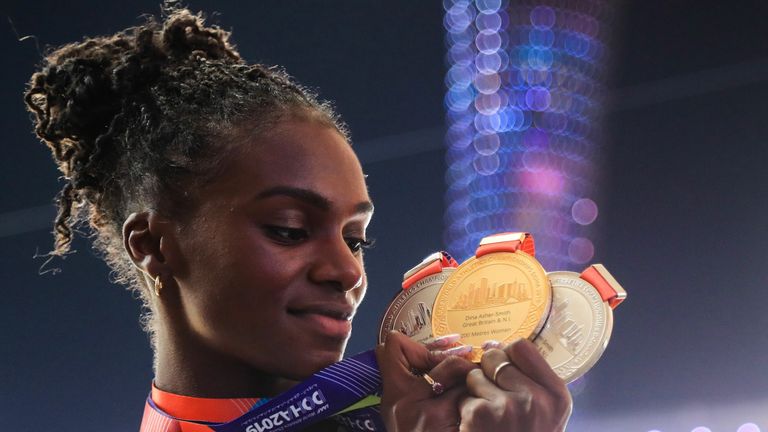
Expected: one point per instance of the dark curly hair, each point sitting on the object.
(136, 120)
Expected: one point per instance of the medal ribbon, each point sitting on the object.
(506, 242)
(346, 389)
(432, 264)
(605, 284)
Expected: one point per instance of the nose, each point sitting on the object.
(336, 265)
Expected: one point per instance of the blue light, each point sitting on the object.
(488, 41)
(461, 37)
(491, 21)
(487, 83)
(541, 38)
(520, 108)
(488, 63)
(543, 17)
(486, 144)
(537, 98)
(488, 6)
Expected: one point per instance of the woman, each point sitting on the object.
(229, 198)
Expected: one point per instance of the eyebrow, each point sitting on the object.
(310, 197)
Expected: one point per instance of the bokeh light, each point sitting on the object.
(584, 211)
(581, 250)
(701, 429)
(522, 103)
(748, 427)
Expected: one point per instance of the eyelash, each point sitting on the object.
(286, 235)
(359, 244)
(290, 236)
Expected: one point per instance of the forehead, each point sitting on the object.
(301, 154)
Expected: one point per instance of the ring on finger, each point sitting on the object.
(498, 369)
(437, 388)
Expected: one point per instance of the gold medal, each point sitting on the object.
(579, 326)
(499, 296)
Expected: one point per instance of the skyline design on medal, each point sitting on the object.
(563, 322)
(418, 318)
(484, 296)
(499, 296)
(410, 312)
(578, 329)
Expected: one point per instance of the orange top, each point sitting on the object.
(606, 285)
(506, 242)
(434, 263)
(192, 409)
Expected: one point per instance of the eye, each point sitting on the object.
(358, 244)
(286, 235)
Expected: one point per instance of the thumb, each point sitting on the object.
(399, 358)
(402, 353)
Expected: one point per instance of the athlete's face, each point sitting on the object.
(273, 264)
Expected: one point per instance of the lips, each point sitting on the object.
(328, 320)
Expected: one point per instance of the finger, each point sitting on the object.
(442, 342)
(444, 409)
(480, 414)
(526, 357)
(480, 386)
(405, 354)
(510, 383)
(501, 371)
(490, 344)
(452, 372)
(464, 351)
(394, 360)
(399, 357)
(452, 397)
(467, 408)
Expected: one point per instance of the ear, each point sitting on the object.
(144, 237)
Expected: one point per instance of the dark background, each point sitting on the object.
(682, 216)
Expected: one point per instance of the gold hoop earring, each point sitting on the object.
(158, 285)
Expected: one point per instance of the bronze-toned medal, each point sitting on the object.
(411, 311)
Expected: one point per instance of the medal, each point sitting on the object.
(581, 320)
(410, 312)
(502, 294)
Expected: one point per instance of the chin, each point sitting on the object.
(312, 362)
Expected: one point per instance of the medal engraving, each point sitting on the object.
(500, 296)
(411, 311)
(578, 328)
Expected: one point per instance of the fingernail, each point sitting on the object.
(490, 344)
(459, 350)
(446, 340)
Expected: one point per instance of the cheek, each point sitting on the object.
(235, 288)
(248, 287)
(241, 309)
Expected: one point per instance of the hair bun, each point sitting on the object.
(186, 36)
(83, 87)
(74, 101)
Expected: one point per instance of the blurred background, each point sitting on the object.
(629, 133)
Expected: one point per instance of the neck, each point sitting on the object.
(185, 365)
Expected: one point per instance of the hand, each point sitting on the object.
(527, 395)
(408, 402)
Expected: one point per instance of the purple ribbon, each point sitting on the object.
(321, 396)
